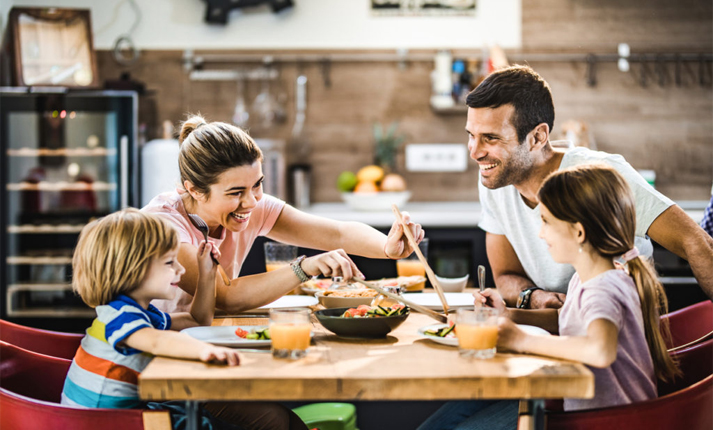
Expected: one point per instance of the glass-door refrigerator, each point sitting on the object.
(66, 158)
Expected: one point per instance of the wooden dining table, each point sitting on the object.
(402, 366)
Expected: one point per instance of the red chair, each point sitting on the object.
(696, 362)
(691, 324)
(31, 387)
(682, 404)
(54, 343)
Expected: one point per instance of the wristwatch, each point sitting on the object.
(296, 266)
(523, 300)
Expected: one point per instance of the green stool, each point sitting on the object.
(328, 416)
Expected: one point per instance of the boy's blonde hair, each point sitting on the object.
(114, 253)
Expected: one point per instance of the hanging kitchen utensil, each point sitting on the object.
(240, 113)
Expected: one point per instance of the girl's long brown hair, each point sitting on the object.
(599, 198)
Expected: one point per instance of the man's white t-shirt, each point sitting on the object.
(504, 212)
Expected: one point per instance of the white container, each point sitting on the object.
(452, 285)
(159, 166)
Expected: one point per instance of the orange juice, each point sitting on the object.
(269, 267)
(411, 268)
(290, 336)
(477, 336)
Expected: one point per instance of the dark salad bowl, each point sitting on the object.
(369, 328)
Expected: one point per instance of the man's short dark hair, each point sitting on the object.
(521, 87)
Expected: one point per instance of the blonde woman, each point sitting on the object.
(221, 178)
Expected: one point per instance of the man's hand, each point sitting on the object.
(541, 299)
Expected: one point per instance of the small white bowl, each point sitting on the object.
(377, 201)
(453, 285)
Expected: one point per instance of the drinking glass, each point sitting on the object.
(278, 255)
(477, 332)
(290, 332)
(411, 266)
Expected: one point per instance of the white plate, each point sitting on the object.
(286, 302)
(225, 335)
(431, 300)
(453, 341)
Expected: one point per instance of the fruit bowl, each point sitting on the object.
(377, 201)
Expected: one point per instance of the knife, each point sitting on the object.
(424, 310)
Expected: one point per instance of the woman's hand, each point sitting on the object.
(397, 244)
(205, 262)
(218, 354)
(330, 264)
(509, 335)
(491, 298)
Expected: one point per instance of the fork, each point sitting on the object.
(203, 227)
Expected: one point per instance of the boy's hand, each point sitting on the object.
(490, 297)
(205, 262)
(219, 354)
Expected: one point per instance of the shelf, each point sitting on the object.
(14, 288)
(61, 186)
(62, 152)
(45, 228)
(52, 313)
(56, 261)
(450, 110)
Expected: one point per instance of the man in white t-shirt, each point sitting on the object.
(510, 116)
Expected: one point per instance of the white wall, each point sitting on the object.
(311, 24)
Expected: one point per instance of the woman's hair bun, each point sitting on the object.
(189, 125)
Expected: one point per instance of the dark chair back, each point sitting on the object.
(690, 324)
(30, 374)
(30, 391)
(696, 362)
(54, 343)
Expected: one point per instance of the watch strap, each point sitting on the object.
(525, 296)
(296, 266)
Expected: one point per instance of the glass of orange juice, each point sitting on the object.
(411, 266)
(278, 255)
(477, 332)
(290, 331)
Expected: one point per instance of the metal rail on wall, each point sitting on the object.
(652, 67)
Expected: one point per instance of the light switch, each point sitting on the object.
(436, 157)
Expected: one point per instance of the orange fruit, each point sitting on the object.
(366, 187)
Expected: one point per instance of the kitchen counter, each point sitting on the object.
(443, 214)
(428, 214)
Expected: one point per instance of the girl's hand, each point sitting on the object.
(330, 264)
(205, 262)
(509, 335)
(397, 244)
(491, 298)
(218, 354)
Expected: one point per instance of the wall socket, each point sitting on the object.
(436, 157)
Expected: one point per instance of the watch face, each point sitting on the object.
(54, 48)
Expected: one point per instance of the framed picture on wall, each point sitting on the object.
(423, 7)
(52, 47)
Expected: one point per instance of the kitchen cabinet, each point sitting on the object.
(66, 158)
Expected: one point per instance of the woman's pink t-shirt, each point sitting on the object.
(234, 247)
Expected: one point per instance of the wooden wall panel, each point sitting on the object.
(667, 129)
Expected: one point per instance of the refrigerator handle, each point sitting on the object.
(124, 170)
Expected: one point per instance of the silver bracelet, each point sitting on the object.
(297, 268)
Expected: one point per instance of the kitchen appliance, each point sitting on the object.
(273, 166)
(66, 157)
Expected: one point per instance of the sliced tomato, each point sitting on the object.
(397, 306)
(364, 307)
(241, 333)
(391, 283)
